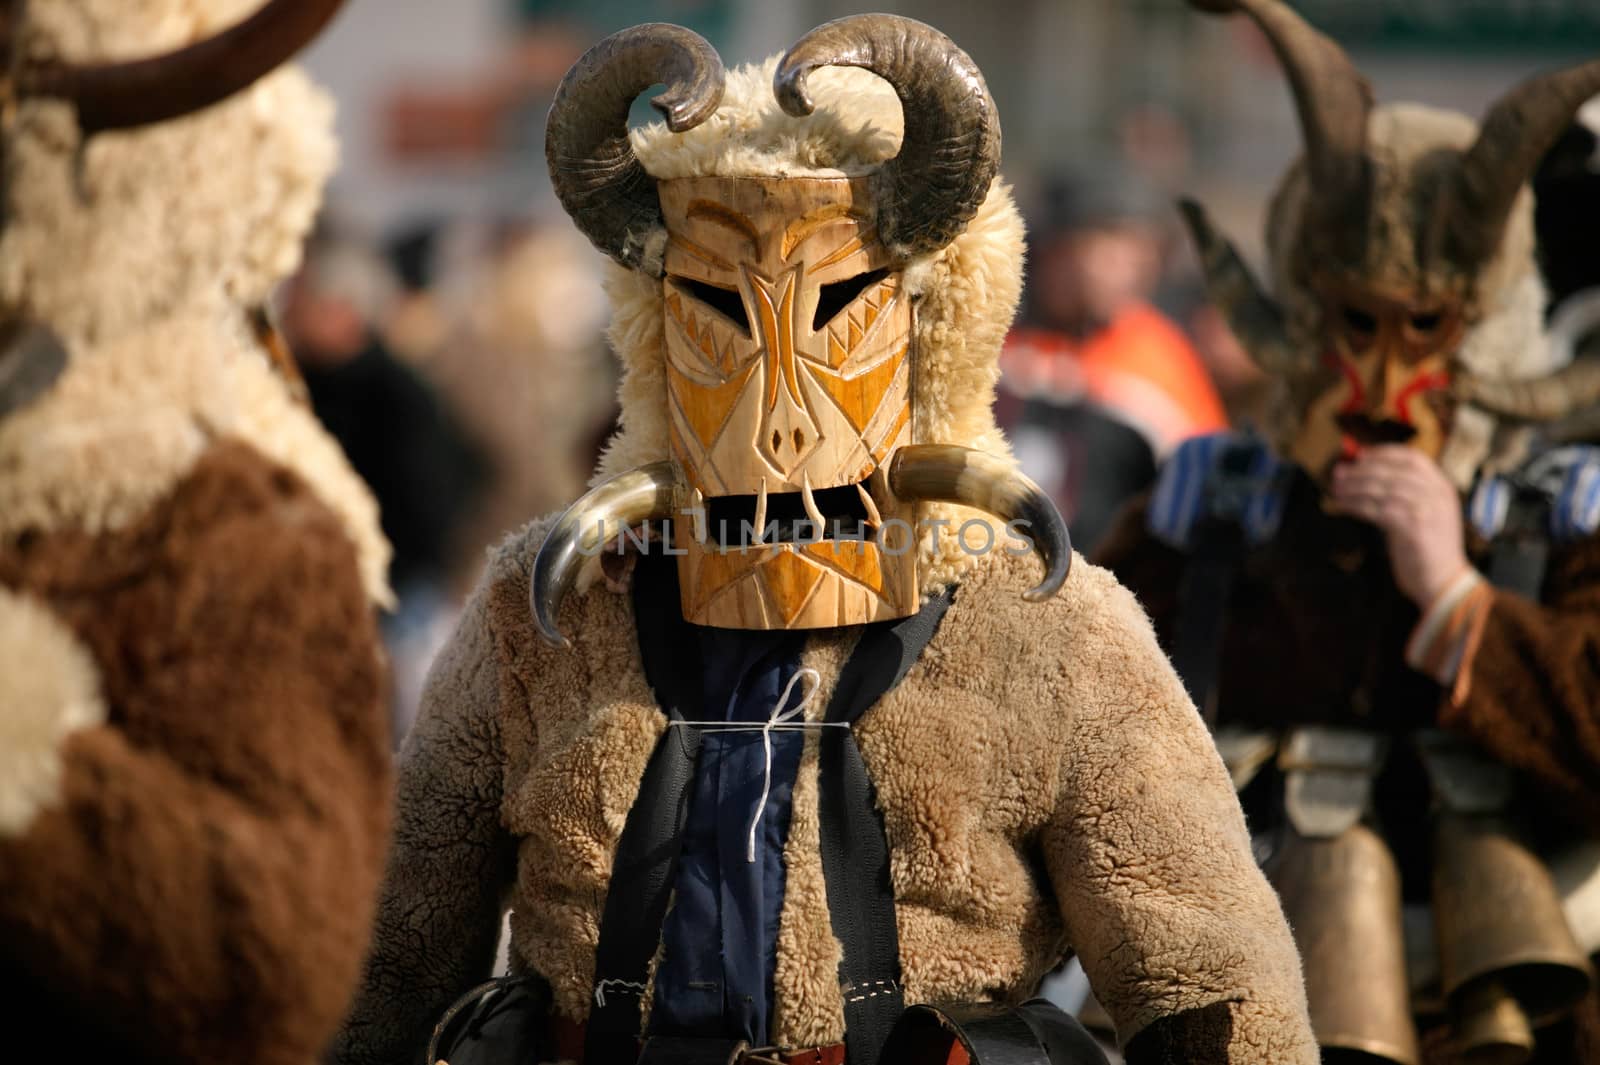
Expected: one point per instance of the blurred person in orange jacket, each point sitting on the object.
(1097, 384)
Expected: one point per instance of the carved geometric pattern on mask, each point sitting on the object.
(789, 585)
(823, 401)
(789, 369)
(790, 582)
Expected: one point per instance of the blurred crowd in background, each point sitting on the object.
(449, 320)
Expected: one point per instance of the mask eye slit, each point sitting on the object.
(724, 301)
(1360, 322)
(838, 295)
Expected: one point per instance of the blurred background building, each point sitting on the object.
(493, 302)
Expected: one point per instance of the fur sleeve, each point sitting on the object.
(1529, 690)
(1179, 932)
(451, 862)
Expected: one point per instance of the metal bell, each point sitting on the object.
(1499, 917)
(1490, 1027)
(1342, 898)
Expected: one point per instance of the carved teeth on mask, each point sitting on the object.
(874, 519)
(948, 474)
(761, 510)
(697, 505)
(810, 501)
(649, 493)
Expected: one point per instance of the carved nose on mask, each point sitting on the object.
(788, 433)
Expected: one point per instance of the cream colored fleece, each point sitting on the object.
(142, 250)
(49, 689)
(1045, 783)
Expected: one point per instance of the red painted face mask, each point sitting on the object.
(1388, 358)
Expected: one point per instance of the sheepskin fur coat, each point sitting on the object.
(1045, 783)
(194, 768)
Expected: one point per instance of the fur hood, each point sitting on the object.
(141, 251)
(965, 294)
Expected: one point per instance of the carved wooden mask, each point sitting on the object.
(788, 350)
(1387, 364)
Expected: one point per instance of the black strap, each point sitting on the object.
(1203, 599)
(636, 901)
(1035, 1033)
(855, 850)
(496, 1023)
(1520, 554)
(1217, 551)
(645, 866)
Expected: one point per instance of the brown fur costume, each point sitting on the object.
(198, 891)
(193, 770)
(1316, 632)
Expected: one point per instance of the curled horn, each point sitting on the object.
(1470, 218)
(950, 152)
(110, 96)
(948, 474)
(1543, 399)
(1332, 99)
(1255, 318)
(626, 500)
(596, 175)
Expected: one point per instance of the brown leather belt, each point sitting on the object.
(568, 1039)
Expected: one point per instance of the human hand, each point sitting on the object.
(1405, 493)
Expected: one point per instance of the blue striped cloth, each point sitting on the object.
(1569, 477)
(1196, 483)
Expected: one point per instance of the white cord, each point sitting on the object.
(781, 721)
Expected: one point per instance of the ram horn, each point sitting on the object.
(950, 151)
(1334, 103)
(947, 474)
(1470, 218)
(596, 175)
(1540, 399)
(109, 96)
(645, 494)
(1255, 317)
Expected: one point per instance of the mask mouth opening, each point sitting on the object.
(1369, 432)
(731, 520)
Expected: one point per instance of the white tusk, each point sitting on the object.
(810, 502)
(761, 511)
(874, 519)
(697, 510)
